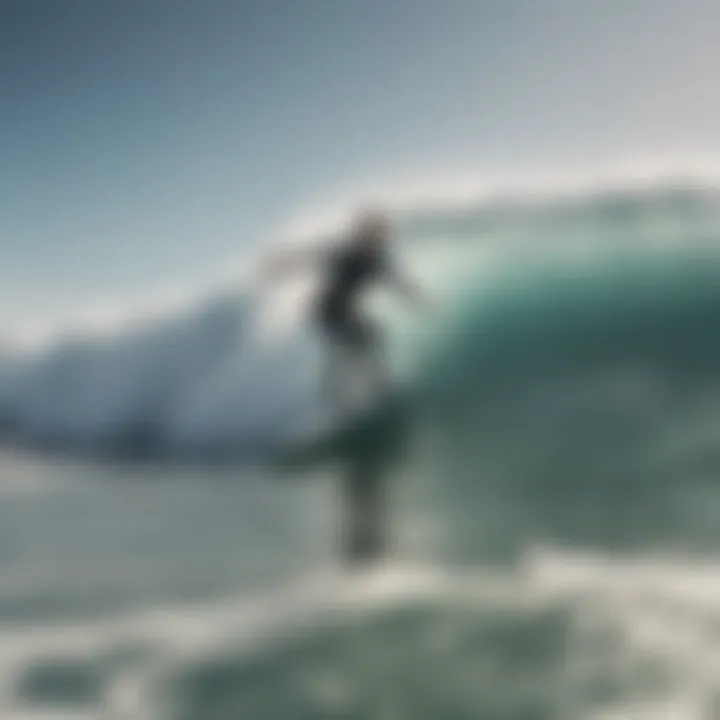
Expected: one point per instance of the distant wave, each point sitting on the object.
(525, 283)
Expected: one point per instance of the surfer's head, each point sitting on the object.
(371, 228)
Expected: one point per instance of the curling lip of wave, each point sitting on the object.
(197, 384)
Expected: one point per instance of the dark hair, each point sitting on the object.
(371, 222)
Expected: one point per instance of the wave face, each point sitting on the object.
(592, 396)
(546, 301)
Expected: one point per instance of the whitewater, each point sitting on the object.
(556, 515)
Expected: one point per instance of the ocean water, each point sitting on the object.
(554, 506)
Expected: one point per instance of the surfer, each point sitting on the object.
(349, 267)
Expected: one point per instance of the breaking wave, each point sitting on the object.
(605, 287)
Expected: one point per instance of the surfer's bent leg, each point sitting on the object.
(333, 386)
(364, 522)
(334, 329)
(353, 343)
(370, 348)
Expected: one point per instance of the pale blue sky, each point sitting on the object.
(149, 143)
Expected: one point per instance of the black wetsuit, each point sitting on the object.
(350, 270)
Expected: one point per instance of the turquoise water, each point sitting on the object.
(555, 513)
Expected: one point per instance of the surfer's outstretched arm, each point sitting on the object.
(287, 261)
(410, 290)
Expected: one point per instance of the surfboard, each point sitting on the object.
(373, 433)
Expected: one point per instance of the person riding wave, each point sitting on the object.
(349, 268)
